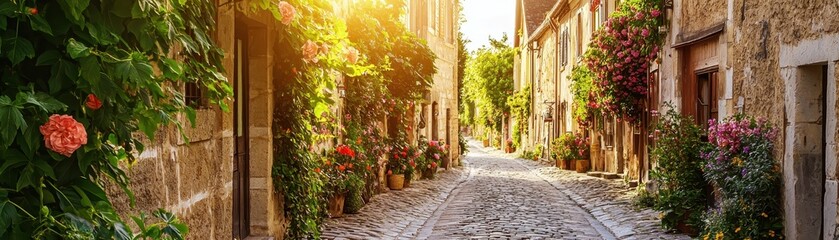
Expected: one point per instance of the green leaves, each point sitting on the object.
(39, 23)
(11, 119)
(77, 49)
(17, 49)
(8, 215)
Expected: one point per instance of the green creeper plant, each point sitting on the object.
(79, 78)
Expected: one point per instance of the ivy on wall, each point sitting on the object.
(78, 79)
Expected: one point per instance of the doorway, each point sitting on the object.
(241, 135)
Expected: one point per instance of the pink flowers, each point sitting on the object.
(351, 54)
(93, 102)
(437, 156)
(63, 134)
(310, 52)
(655, 13)
(287, 11)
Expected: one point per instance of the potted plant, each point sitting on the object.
(509, 146)
(401, 165)
(337, 168)
(434, 154)
(572, 152)
(582, 147)
(485, 139)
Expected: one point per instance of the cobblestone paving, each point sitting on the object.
(396, 214)
(498, 196)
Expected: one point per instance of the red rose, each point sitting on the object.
(63, 134)
(342, 167)
(389, 172)
(93, 102)
(33, 11)
(317, 170)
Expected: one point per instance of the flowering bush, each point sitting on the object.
(337, 168)
(570, 147)
(435, 152)
(620, 55)
(740, 164)
(402, 159)
(583, 108)
(681, 187)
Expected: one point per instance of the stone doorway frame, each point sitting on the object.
(796, 63)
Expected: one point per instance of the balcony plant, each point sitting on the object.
(740, 164)
(509, 146)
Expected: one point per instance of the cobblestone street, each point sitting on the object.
(498, 196)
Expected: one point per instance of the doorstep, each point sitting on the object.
(610, 176)
(594, 174)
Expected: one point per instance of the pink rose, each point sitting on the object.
(655, 13)
(93, 102)
(324, 49)
(288, 12)
(310, 52)
(351, 55)
(63, 134)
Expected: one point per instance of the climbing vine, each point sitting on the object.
(520, 107)
(78, 79)
(582, 86)
(620, 56)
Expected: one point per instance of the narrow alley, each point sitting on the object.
(495, 195)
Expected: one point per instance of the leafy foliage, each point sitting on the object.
(489, 80)
(582, 89)
(678, 174)
(133, 55)
(520, 107)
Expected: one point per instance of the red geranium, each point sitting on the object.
(346, 151)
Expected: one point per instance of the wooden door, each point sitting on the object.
(240, 133)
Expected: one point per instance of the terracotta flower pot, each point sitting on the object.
(408, 180)
(582, 166)
(486, 143)
(429, 173)
(336, 205)
(396, 181)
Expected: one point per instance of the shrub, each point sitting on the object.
(681, 187)
(355, 190)
(463, 145)
(740, 164)
(537, 151)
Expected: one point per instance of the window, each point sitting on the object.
(579, 35)
(564, 47)
(193, 95)
(608, 132)
(706, 97)
(435, 7)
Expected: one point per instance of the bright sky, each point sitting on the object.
(485, 18)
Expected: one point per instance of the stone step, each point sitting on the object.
(610, 176)
(594, 174)
(633, 183)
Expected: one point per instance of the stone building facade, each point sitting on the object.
(436, 21)
(776, 60)
(220, 182)
(549, 52)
